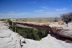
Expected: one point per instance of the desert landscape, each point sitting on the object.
(21, 34)
(35, 23)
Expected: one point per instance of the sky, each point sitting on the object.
(34, 8)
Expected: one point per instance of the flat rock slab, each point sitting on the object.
(8, 39)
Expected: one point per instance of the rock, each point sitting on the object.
(8, 39)
(64, 31)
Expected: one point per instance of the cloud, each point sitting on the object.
(35, 13)
(61, 9)
(50, 12)
(11, 15)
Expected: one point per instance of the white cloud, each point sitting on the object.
(61, 9)
(11, 15)
(45, 7)
(35, 13)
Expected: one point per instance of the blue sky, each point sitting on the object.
(34, 8)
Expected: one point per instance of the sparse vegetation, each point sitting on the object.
(31, 33)
(38, 20)
(10, 22)
(36, 33)
(67, 17)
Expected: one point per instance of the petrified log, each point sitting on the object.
(64, 33)
(44, 27)
(58, 32)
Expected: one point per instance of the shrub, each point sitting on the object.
(31, 33)
(67, 17)
(9, 21)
